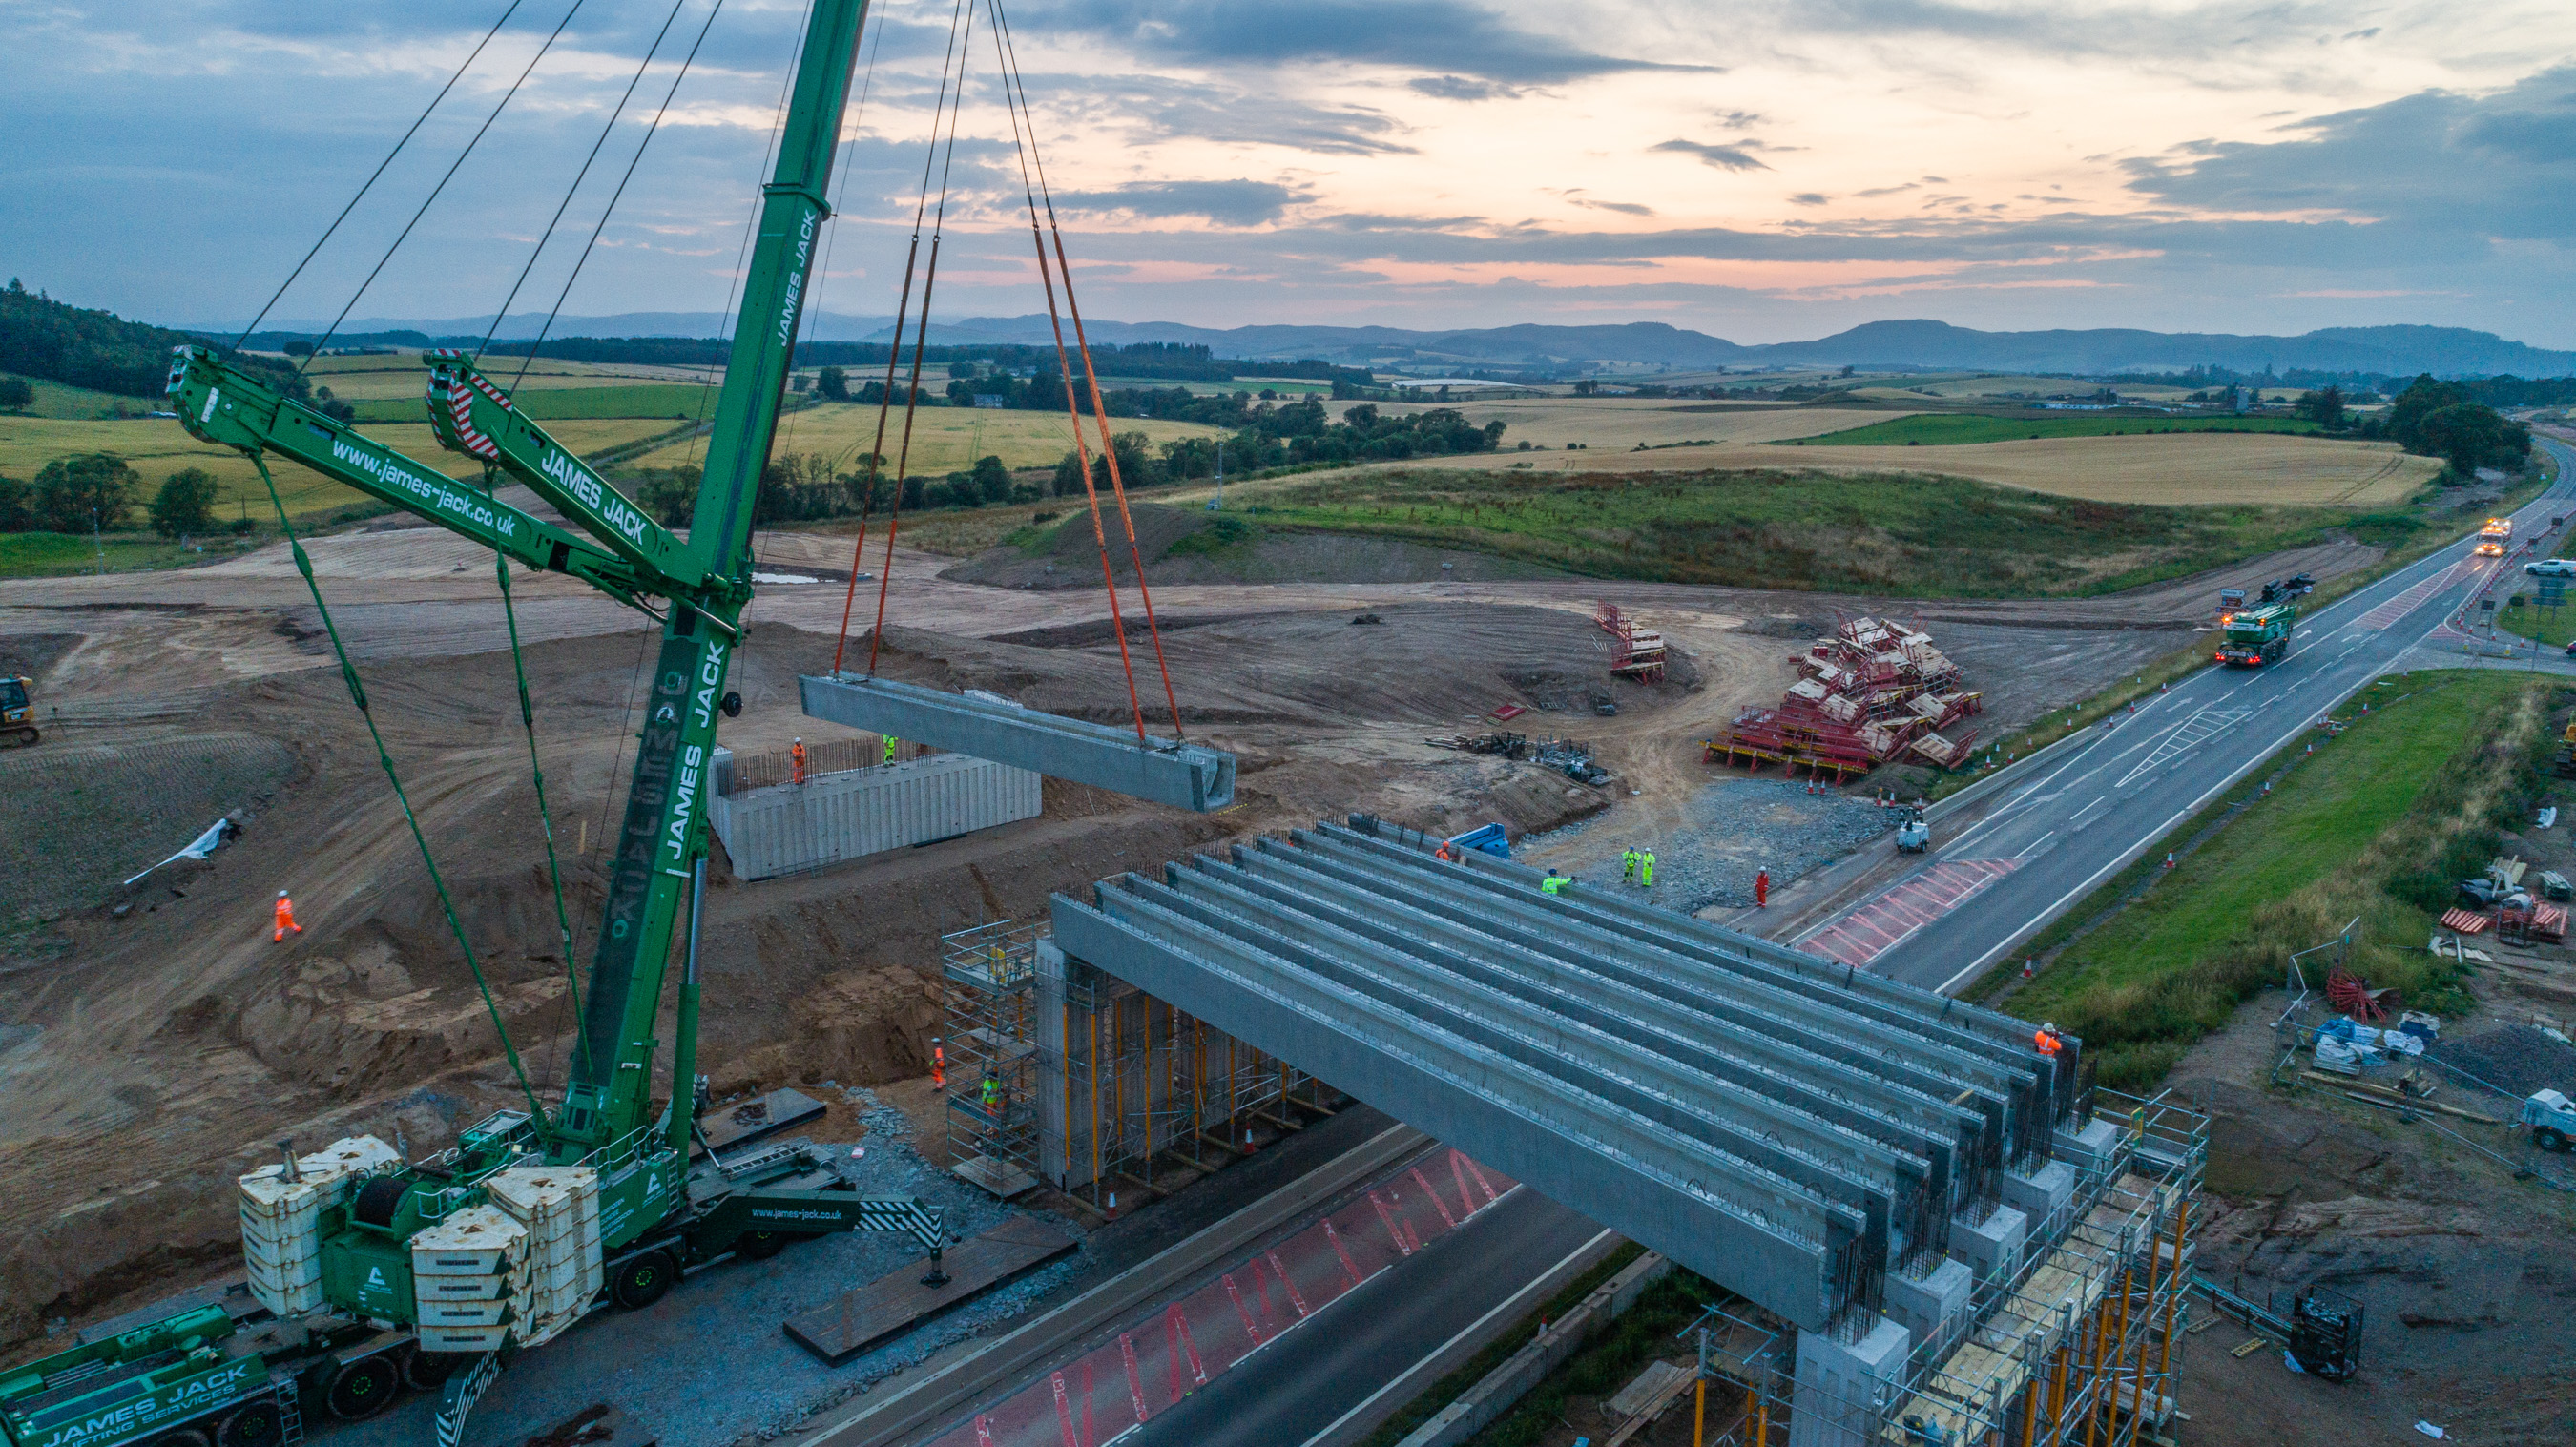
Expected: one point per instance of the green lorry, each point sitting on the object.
(2255, 636)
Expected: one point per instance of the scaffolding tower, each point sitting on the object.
(2078, 1342)
(989, 993)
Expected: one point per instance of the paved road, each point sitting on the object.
(1296, 1387)
(2087, 809)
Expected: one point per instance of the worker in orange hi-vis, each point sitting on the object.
(938, 1065)
(2045, 1038)
(796, 761)
(285, 918)
(1762, 889)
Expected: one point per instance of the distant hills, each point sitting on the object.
(1923, 345)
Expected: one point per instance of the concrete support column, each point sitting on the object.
(1930, 1305)
(1991, 1248)
(1842, 1387)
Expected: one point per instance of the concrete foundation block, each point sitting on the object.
(1928, 1306)
(2092, 1150)
(1843, 1387)
(1993, 1247)
(2040, 1194)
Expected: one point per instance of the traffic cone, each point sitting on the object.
(2169, 860)
(1113, 1205)
(2026, 969)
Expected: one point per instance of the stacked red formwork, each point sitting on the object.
(1635, 652)
(1869, 692)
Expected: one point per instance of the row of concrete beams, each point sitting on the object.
(1121, 759)
(1793, 1156)
(1907, 1035)
(2043, 1089)
(1517, 946)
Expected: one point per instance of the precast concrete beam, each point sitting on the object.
(1610, 1032)
(1758, 1233)
(1586, 983)
(2052, 1081)
(1551, 925)
(1105, 756)
(2016, 1081)
(1893, 1189)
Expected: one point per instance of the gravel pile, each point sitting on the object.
(1733, 830)
(2517, 1059)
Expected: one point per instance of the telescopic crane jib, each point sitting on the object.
(377, 1227)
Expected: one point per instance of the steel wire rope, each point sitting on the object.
(373, 176)
(894, 360)
(651, 130)
(1082, 344)
(615, 114)
(1023, 140)
(358, 696)
(435, 191)
(961, 45)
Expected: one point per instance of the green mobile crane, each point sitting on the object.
(368, 1271)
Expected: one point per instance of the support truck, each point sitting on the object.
(2495, 537)
(2258, 636)
(369, 1272)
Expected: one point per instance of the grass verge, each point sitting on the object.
(1608, 1362)
(60, 555)
(1951, 429)
(1899, 533)
(2378, 825)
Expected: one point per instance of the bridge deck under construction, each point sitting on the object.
(1786, 1126)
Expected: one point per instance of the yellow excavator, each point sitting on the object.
(17, 715)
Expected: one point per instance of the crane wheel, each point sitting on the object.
(428, 1371)
(362, 1388)
(642, 1280)
(257, 1425)
(760, 1245)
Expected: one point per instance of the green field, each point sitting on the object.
(2377, 824)
(55, 555)
(53, 399)
(1911, 535)
(671, 401)
(1950, 429)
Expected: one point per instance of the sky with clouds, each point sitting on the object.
(1759, 169)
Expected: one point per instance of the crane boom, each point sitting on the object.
(470, 413)
(227, 405)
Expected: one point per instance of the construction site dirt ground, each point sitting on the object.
(150, 1058)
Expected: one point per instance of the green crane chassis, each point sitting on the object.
(449, 1259)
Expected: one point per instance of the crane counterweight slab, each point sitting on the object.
(1105, 756)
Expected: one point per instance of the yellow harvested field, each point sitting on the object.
(359, 379)
(158, 447)
(2180, 468)
(1605, 425)
(944, 439)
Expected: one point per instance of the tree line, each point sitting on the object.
(99, 491)
(2432, 418)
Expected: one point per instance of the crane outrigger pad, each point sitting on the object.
(1105, 756)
